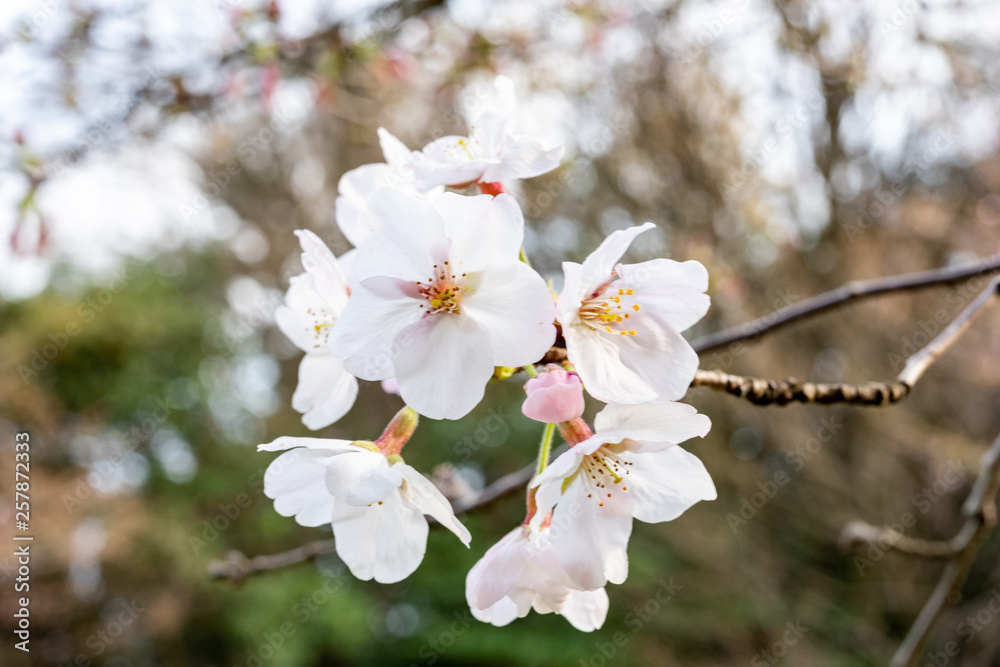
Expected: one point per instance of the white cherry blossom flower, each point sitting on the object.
(375, 502)
(622, 322)
(490, 153)
(354, 218)
(313, 303)
(520, 573)
(442, 299)
(631, 467)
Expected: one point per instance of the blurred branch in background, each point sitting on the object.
(760, 391)
(981, 517)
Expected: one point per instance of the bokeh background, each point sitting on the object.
(156, 155)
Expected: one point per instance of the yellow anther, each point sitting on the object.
(608, 328)
(627, 316)
(621, 291)
(632, 332)
(617, 299)
(635, 307)
(618, 319)
(623, 332)
(630, 291)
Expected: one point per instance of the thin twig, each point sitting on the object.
(981, 516)
(852, 291)
(237, 567)
(762, 391)
(860, 533)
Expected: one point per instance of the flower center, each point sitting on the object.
(442, 291)
(611, 309)
(602, 471)
(323, 321)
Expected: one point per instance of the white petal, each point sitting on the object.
(411, 240)
(550, 483)
(451, 161)
(485, 231)
(319, 262)
(590, 534)
(420, 493)
(346, 262)
(500, 614)
(654, 422)
(325, 392)
(384, 542)
(673, 289)
(572, 295)
(598, 266)
(395, 152)
(666, 483)
(491, 579)
(524, 157)
(586, 610)
(298, 326)
(596, 358)
(516, 315)
(362, 477)
(492, 125)
(354, 218)
(441, 369)
(664, 360)
(295, 481)
(367, 331)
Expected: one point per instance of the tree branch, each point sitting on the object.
(980, 511)
(761, 391)
(852, 291)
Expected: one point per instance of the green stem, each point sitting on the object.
(544, 447)
(531, 370)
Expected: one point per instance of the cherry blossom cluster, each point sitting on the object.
(436, 299)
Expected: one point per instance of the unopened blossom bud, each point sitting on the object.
(553, 396)
(398, 432)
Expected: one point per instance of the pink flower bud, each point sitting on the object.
(553, 396)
